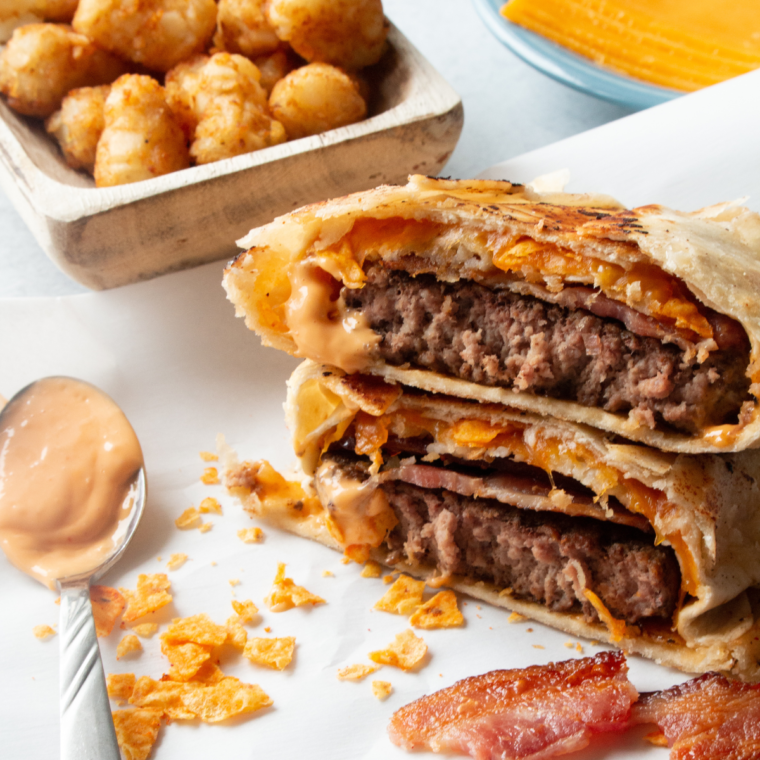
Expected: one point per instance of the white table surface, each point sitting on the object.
(509, 109)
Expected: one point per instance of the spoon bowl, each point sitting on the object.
(62, 435)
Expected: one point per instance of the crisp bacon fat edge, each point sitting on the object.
(547, 710)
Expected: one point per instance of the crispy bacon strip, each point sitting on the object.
(705, 718)
(535, 712)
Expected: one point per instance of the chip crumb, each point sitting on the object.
(58, 601)
(208, 456)
(356, 672)
(529, 630)
(286, 595)
(570, 644)
(268, 629)
(176, 561)
(128, 645)
(440, 611)
(538, 646)
(120, 685)
(406, 651)
(328, 574)
(205, 527)
(382, 689)
(199, 629)
(107, 604)
(345, 560)
(210, 476)
(234, 581)
(245, 610)
(145, 630)
(212, 563)
(251, 535)
(136, 731)
(516, 617)
(210, 504)
(388, 579)
(371, 569)
(273, 653)
(594, 643)
(579, 648)
(188, 520)
(403, 597)
(151, 594)
(43, 632)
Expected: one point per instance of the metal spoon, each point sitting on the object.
(87, 730)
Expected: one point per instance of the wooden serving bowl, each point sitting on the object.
(106, 237)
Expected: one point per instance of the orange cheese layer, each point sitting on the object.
(681, 44)
(644, 287)
(547, 453)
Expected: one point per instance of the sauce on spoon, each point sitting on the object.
(69, 461)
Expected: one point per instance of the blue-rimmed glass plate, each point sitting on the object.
(567, 67)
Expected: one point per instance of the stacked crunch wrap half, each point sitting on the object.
(542, 399)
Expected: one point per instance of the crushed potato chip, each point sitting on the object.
(234, 582)
(210, 504)
(382, 689)
(145, 630)
(128, 645)
(205, 527)
(328, 574)
(387, 579)
(246, 610)
(209, 456)
(163, 696)
(516, 617)
(43, 631)
(358, 553)
(236, 634)
(439, 612)
(210, 476)
(226, 699)
(185, 659)
(372, 569)
(251, 535)
(209, 672)
(274, 653)
(189, 519)
(198, 629)
(120, 685)
(136, 731)
(405, 652)
(107, 605)
(286, 595)
(151, 595)
(176, 561)
(356, 672)
(403, 597)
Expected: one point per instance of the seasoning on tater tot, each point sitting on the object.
(157, 34)
(346, 33)
(141, 138)
(316, 98)
(242, 27)
(222, 106)
(42, 62)
(78, 124)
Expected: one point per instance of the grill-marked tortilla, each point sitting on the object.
(662, 272)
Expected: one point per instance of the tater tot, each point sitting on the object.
(242, 27)
(316, 98)
(346, 33)
(42, 62)
(16, 13)
(78, 124)
(141, 138)
(275, 66)
(157, 34)
(221, 100)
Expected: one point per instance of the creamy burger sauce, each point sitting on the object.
(69, 461)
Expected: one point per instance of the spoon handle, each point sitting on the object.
(87, 731)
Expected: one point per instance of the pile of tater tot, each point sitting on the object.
(133, 89)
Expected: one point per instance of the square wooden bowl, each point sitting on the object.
(106, 237)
